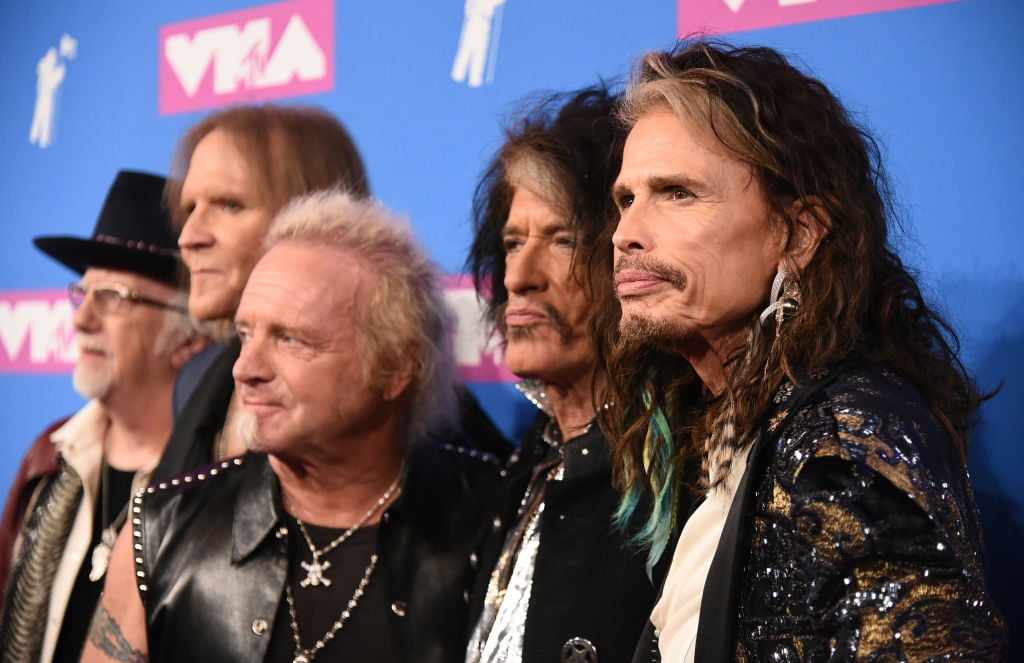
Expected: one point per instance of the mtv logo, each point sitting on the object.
(37, 334)
(479, 354)
(267, 52)
(722, 16)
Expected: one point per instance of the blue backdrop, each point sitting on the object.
(941, 86)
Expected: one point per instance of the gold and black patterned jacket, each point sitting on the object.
(855, 537)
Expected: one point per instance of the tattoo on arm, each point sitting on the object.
(106, 635)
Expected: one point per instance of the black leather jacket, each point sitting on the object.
(212, 567)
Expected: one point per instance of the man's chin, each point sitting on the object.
(532, 365)
(645, 330)
(91, 384)
(522, 355)
(523, 370)
(212, 308)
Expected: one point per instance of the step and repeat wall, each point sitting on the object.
(93, 87)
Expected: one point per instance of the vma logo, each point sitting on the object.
(268, 52)
(478, 354)
(737, 15)
(37, 334)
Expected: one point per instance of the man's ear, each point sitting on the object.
(188, 348)
(396, 383)
(811, 224)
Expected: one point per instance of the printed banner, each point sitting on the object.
(268, 52)
(37, 332)
(722, 16)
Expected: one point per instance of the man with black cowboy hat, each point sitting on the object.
(70, 497)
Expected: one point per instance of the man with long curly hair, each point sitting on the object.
(538, 211)
(754, 241)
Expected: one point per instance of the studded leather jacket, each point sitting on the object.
(212, 567)
(853, 536)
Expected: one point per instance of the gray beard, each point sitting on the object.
(248, 430)
(91, 386)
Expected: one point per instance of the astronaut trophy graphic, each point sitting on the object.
(49, 75)
(476, 50)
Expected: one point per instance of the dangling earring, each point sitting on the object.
(783, 301)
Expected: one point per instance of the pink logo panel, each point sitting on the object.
(478, 353)
(36, 332)
(721, 16)
(267, 52)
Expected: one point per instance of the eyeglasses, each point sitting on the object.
(114, 298)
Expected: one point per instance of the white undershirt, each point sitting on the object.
(678, 611)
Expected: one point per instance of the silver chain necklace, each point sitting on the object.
(303, 655)
(315, 568)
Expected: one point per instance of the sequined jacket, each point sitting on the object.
(213, 565)
(590, 591)
(854, 535)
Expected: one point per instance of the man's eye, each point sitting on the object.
(289, 340)
(233, 206)
(625, 202)
(566, 242)
(244, 334)
(510, 244)
(681, 193)
(108, 297)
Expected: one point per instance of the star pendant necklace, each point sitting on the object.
(315, 568)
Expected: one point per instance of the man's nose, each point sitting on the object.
(195, 234)
(252, 364)
(87, 315)
(631, 234)
(525, 270)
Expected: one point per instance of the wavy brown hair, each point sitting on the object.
(858, 300)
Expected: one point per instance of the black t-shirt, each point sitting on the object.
(86, 593)
(367, 635)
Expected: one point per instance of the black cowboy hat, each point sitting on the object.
(132, 234)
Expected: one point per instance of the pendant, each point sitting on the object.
(100, 561)
(300, 658)
(315, 573)
(101, 554)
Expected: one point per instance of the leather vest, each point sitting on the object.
(213, 562)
